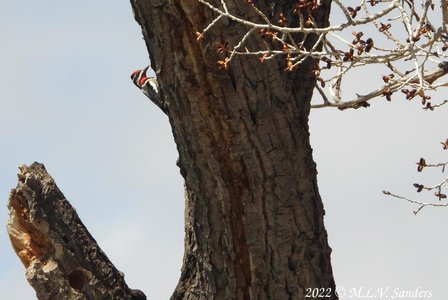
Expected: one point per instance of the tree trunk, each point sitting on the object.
(62, 260)
(254, 217)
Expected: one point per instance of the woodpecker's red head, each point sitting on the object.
(135, 73)
(139, 77)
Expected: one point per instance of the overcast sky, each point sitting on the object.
(66, 100)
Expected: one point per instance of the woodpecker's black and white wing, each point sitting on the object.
(151, 89)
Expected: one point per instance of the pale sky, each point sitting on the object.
(67, 101)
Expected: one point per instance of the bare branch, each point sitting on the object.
(417, 52)
(421, 204)
(428, 77)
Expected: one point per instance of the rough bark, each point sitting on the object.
(62, 259)
(254, 217)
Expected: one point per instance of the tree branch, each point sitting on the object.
(429, 77)
(62, 259)
(421, 204)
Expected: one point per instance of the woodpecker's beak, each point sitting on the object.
(144, 70)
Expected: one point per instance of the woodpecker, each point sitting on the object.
(149, 86)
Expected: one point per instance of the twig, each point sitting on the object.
(422, 204)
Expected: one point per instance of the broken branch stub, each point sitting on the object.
(62, 259)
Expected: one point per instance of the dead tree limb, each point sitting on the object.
(62, 259)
